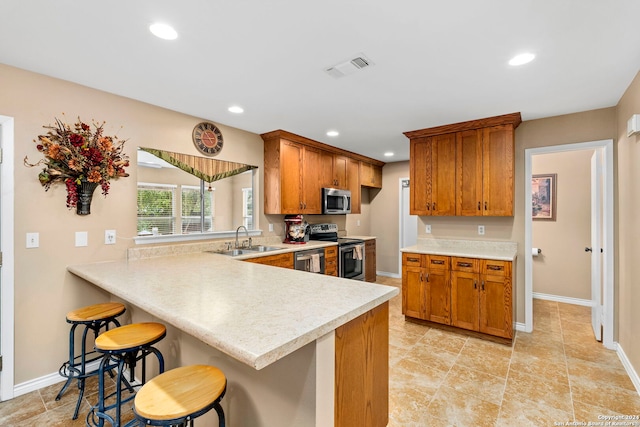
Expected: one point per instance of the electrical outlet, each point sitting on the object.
(109, 237)
(358, 223)
(427, 229)
(33, 240)
(271, 227)
(481, 230)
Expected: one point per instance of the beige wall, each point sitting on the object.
(44, 290)
(628, 226)
(564, 268)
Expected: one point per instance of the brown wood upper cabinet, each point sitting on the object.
(370, 175)
(297, 168)
(464, 169)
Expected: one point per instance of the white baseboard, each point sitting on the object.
(566, 300)
(50, 379)
(520, 327)
(628, 367)
(387, 274)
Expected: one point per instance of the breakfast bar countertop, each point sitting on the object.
(255, 313)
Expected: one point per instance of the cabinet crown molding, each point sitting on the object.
(506, 119)
(283, 134)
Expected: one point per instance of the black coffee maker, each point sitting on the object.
(296, 229)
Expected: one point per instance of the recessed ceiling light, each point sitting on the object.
(163, 31)
(236, 109)
(522, 59)
(333, 133)
(389, 154)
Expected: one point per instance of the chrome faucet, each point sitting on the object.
(246, 231)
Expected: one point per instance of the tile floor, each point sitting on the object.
(557, 374)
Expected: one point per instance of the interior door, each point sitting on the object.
(596, 244)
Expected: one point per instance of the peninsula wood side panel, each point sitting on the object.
(362, 370)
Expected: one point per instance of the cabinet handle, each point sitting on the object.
(479, 206)
(413, 259)
(495, 267)
(437, 261)
(464, 264)
(485, 206)
(428, 207)
(475, 284)
(483, 285)
(434, 206)
(427, 277)
(421, 277)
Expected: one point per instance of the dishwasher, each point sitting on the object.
(311, 260)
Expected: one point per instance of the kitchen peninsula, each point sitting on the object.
(298, 349)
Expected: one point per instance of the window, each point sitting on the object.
(194, 219)
(156, 204)
(247, 208)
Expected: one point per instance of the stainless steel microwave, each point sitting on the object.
(336, 201)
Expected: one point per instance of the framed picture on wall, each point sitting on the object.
(543, 203)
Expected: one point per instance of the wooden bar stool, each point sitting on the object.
(91, 318)
(124, 345)
(180, 395)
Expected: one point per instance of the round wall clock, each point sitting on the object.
(207, 138)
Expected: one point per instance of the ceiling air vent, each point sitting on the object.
(347, 67)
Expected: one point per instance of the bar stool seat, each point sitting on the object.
(180, 395)
(92, 318)
(124, 345)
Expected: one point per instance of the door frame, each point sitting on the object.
(607, 232)
(7, 246)
(401, 223)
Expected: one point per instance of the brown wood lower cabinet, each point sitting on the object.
(279, 260)
(370, 268)
(478, 299)
(331, 261)
(426, 287)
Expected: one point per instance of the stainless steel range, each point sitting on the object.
(351, 256)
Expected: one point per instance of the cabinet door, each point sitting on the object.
(413, 292)
(438, 288)
(291, 177)
(443, 175)
(420, 176)
(353, 184)
(496, 310)
(497, 171)
(464, 300)
(311, 181)
(339, 171)
(469, 173)
(370, 261)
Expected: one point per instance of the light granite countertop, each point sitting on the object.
(500, 250)
(255, 313)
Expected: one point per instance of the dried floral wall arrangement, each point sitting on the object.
(81, 157)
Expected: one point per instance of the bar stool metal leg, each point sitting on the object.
(91, 318)
(123, 346)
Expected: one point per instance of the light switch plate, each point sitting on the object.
(82, 238)
(427, 229)
(481, 230)
(33, 240)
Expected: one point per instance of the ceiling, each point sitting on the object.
(434, 62)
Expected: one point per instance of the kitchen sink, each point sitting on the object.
(246, 251)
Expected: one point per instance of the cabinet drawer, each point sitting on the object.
(331, 251)
(495, 268)
(469, 265)
(438, 262)
(412, 260)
